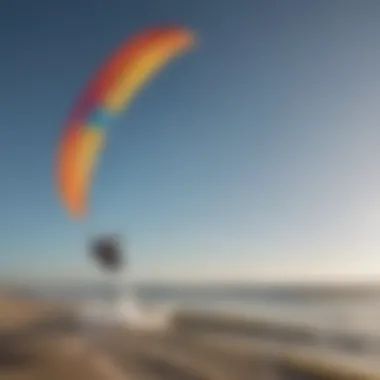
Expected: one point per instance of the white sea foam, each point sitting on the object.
(127, 312)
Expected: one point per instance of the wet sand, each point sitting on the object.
(41, 341)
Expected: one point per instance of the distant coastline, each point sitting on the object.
(294, 289)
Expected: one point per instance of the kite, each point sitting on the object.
(107, 95)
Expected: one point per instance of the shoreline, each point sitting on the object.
(45, 326)
(293, 345)
(279, 330)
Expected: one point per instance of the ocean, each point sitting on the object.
(343, 319)
(352, 308)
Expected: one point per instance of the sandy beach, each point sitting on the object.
(40, 340)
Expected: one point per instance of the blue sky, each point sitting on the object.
(254, 156)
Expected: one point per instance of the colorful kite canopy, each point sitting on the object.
(108, 94)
